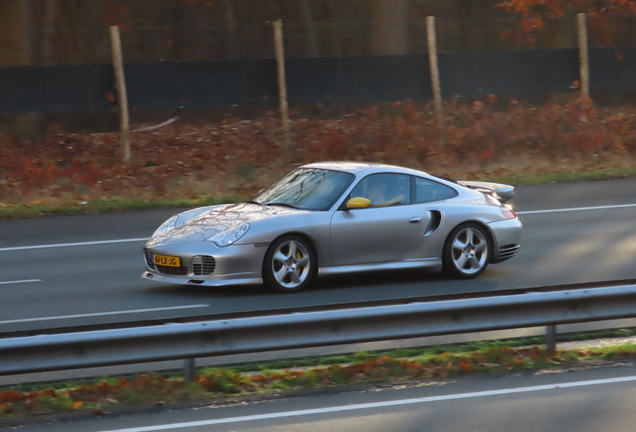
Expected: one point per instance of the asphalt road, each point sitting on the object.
(581, 400)
(576, 232)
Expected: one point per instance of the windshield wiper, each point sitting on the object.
(283, 205)
(254, 202)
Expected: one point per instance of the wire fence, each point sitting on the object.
(73, 46)
(350, 62)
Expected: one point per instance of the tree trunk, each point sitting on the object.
(50, 21)
(389, 37)
(15, 33)
(390, 31)
(311, 44)
(230, 24)
(16, 49)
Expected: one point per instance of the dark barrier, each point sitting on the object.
(167, 85)
(45, 89)
(613, 69)
(201, 83)
(474, 74)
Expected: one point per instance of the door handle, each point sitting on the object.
(416, 219)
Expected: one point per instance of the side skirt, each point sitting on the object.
(419, 263)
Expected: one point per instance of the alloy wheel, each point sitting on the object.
(291, 264)
(469, 251)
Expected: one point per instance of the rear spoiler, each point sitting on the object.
(504, 192)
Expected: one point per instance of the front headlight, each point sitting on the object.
(226, 238)
(167, 225)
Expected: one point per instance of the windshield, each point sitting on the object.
(307, 189)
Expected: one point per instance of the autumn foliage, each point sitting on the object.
(607, 19)
(485, 138)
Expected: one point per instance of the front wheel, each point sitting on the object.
(466, 251)
(290, 264)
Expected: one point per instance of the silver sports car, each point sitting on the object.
(338, 217)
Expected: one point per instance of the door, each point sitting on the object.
(380, 233)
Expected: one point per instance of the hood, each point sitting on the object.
(209, 221)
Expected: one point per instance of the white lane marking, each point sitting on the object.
(372, 405)
(575, 209)
(90, 243)
(100, 242)
(132, 311)
(20, 281)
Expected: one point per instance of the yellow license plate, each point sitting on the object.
(169, 261)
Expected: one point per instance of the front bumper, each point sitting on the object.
(230, 265)
(507, 236)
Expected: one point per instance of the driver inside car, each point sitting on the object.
(382, 190)
(377, 192)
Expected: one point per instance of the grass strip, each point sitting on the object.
(523, 178)
(109, 205)
(101, 396)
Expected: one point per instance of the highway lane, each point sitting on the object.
(577, 399)
(100, 283)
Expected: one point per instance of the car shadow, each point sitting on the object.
(378, 284)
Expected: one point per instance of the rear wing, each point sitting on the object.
(504, 192)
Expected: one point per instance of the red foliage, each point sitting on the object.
(241, 157)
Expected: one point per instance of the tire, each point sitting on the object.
(290, 264)
(466, 251)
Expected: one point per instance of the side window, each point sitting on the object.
(384, 189)
(429, 190)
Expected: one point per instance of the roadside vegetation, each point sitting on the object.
(400, 366)
(185, 165)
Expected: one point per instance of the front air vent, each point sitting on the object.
(203, 265)
(148, 257)
(172, 271)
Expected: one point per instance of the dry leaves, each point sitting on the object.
(241, 157)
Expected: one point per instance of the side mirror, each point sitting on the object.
(358, 203)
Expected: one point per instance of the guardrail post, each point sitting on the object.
(550, 339)
(188, 370)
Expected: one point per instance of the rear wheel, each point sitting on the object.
(290, 264)
(466, 251)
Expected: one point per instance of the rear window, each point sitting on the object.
(426, 190)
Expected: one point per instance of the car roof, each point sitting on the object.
(358, 168)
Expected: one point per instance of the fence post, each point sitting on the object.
(550, 338)
(584, 63)
(120, 80)
(282, 83)
(435, 83)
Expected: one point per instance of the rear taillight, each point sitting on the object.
(509, 214)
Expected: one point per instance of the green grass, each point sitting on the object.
(110, 205)
(430, 351)
(516, 179)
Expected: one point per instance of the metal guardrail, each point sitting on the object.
(311, 329)
(7, 331)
